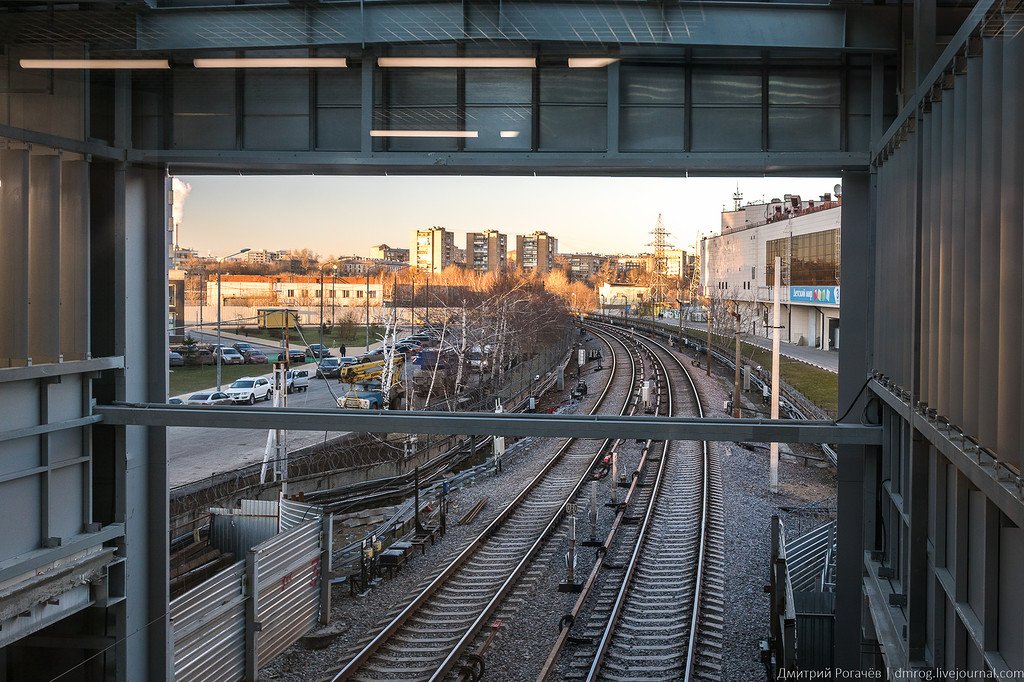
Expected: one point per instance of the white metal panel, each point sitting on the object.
(208, 623)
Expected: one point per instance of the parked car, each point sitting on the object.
(243, 347)
(230, 356)
(318, 351)
(202, 356)
(408, 347)
(250, 389)
(375, 354)
(297, 380)
(328, 367)
(254, 356)
(477, 361)
(174, 359)
(175, 401)
(347, 360)
(294, 355)
(215, 398)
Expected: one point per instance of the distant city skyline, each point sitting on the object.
(343, 215)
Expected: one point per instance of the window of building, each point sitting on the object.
(291, 293)
(814, 259)
(359, 294)
(345, 293)
(371, 294)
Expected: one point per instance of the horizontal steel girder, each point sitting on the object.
(483, 423)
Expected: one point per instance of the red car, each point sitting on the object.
(254, 356)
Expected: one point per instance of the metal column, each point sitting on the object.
(14, 200)
(855, 362)
(44, 258)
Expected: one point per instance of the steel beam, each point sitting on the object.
(476, 423)
(820, 164)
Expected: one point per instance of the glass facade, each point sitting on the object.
(813, 259)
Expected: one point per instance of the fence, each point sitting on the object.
(230, 625)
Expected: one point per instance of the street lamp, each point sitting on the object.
(218, 357)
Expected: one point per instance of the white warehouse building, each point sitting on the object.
(738, 266)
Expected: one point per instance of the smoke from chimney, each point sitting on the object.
(179, 192)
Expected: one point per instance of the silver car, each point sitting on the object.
(214, 398)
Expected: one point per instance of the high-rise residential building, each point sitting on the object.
(389, 253)
(432, 249)
(536, 252)
(487, 251)
(583, 265)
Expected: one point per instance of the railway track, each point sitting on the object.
(426, 640)
(655, 608)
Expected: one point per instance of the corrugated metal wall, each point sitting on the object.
(964, 166)
(237, 533)
(288, 588)
(209, 629)
(296, 513)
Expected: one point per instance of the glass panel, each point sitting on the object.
(204, 131)
(490, 121)
(338, 86)
(726, 129)
(418, 87)
(652, 84)
(737, 87)
(803, 128)
(201, 91)
(567, 86)
(656, 129)
(276, 132)
(278, 93)
(573, 128)
(499, 86)
(338, 128)
(814, 90)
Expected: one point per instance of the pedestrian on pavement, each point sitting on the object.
(766, 392)
(342, 349)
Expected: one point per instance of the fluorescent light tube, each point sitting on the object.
(590, 62)
(272, 63)
(509, 133)
(424, 133)
(94, 64)
(458, 62)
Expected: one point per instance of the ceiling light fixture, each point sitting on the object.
(457, 62)
(509, 133)
(271, 63)
(94, 64)
(424, 133)
(590, 62)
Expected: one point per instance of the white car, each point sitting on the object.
(250, 389)
(297, 380)
(230, 356)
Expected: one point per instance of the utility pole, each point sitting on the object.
(773, 474)
(321, 312)
(367, 301)
(709, 337)
(736, 388)
(218, 357)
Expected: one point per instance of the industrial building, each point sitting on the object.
(738, 266)
(536, 252)
(914, 106)
(487, 251)
(389, 253)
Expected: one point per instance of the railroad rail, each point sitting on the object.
(656, 609)
(426, 640)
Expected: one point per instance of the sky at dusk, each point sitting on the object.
(343, 215)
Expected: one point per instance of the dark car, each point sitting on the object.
(243, 347)
(328, 367)
(174, 359)
(294, 355)
(318, 351)
(375, 354)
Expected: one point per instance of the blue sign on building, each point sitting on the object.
(819, 295)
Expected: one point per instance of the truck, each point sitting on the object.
(370, 371)
(368, 395)
(364, 379)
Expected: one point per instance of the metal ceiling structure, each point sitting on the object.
(930, 519)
